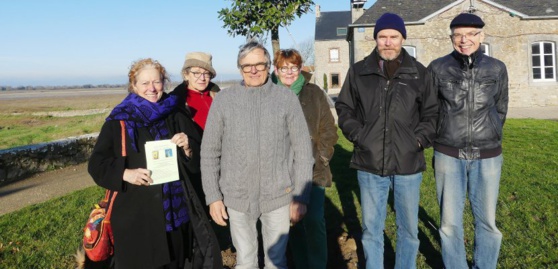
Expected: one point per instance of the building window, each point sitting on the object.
(411, 50)
(341, 31)
(334, 80)
(543, 59)
(334, 55)
(485, 49)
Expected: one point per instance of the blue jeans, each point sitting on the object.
(374, 192)
(481, 178)
(308, 238)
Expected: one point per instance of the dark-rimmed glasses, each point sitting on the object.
(247, 68)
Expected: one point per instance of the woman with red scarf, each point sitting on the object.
(197, 90)
(154, 225)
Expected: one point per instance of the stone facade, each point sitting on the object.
(21, 162)
(508, 37)
(323, 65)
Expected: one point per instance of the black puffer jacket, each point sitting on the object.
(387, 119)
(473, 98)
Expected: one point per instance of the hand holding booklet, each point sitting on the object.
(162, 161)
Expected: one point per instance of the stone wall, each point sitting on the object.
(323, 66)
(21, 162)
(509, 39)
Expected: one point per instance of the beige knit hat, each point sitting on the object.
(199, 59)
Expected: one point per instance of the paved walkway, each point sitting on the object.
(45, 186)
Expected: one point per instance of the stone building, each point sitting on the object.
(522, 34)
(331, 50)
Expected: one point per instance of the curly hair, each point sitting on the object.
(140, 64)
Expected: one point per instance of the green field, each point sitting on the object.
(47, 235)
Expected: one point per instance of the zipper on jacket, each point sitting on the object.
(386, 118)
(471, 105)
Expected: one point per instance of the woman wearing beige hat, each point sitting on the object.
(197, 89)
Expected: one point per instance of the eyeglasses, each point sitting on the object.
(468, 36)
(247, 68)
(199, 74)
(286, 69)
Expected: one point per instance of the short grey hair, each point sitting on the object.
(249, 47)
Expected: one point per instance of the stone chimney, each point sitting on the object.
(317, 11)
(357, 9)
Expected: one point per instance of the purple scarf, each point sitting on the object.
(137, 112)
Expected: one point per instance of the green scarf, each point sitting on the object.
(297, 85)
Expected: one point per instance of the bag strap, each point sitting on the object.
(107, 194)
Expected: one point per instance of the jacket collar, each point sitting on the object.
(468, 60)
(371, 65)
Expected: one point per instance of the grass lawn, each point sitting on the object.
(47, 235)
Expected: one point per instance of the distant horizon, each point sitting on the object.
(108, 80)
(59, 43)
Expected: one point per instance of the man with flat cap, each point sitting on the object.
(473, 98)
(388, 108)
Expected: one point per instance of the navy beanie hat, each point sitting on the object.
(390, 21)
(467, 20)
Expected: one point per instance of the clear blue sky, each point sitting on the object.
(71, 42)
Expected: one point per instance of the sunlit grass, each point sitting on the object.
(47, 235)
(21, 130)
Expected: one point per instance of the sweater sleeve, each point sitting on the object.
(303, 160)
(211, 152)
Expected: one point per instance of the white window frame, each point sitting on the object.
(543, 65)
(412, 50)
(341, 31)
(485, 48)
(332, 55)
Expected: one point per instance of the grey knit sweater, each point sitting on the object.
(256, 154)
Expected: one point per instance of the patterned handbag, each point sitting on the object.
(98, 241)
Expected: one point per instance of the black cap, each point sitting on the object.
(467, 20)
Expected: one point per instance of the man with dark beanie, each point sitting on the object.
(388, 108)
(473, 97)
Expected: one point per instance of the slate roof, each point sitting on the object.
(416, 11)
(409, 10)
(328, 22)
(538, 8)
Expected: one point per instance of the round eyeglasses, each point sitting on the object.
(286, 69)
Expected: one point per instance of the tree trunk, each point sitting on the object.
(275, 45)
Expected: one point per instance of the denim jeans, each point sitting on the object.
(481, 178)
(275, 235)
(308, 238)
(374, 192)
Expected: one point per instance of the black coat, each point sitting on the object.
(387, 119)
(138, 220)
(473, 101)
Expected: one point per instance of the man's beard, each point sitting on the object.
(389, 54)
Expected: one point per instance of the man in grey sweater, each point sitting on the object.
(256, 160)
